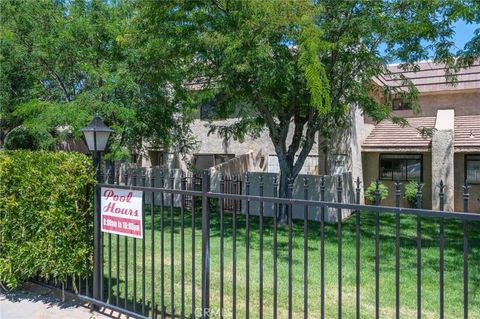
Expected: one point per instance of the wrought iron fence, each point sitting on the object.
(153, 283)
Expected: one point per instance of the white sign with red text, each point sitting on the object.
(122, 212)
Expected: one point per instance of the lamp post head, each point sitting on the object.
(96, 135)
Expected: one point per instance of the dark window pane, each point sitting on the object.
(401, 167)
(414, 170)
(473, 169)
(386, 169)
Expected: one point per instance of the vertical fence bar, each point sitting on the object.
(377, 251)
(466, 197)
(260, 257)
(162, 246)
(182, 244)
(109, 294)
(398, 194)
(234, 250)
(117, 242)
(222, 244)
(419, 253)
(290, 249)
(125, 255)
(322, 249)
(441, 196)
(172, 249)
(247, 248)
(144, 183)
(275, 246)
(339, 239)
(134, 182)
(357, 248)
(305, 250)
(193, 247)
(152, 247)
(205, 245)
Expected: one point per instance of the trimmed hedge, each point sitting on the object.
(45, 205)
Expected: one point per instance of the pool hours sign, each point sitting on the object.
(122, 212)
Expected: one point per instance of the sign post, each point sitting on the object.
(122, 212)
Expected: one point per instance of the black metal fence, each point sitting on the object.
(208, 258)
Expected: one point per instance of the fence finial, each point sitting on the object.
(442, 186)
(466, 196)
(162, 179)
(152, 178)
(290, 181)
(305, 182)
(358, 182)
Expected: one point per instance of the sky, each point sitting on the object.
(463, 33)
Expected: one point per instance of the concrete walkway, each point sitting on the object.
(35, 301)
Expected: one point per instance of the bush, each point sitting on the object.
(45, 203)
(411, 192)
(370, 192)
(20, 138)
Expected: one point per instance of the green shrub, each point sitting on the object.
(20, 138)
(370, 192)
(411, 192)
(45, 204)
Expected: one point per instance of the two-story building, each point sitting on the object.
(392, 152)
(382, 150)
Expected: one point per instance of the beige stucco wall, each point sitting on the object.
(345, 148)
(261, 146)
(474, 202)
(464, 103)
(371, 171)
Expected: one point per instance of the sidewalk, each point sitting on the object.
(35, 301)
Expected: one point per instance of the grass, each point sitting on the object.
(408, 297)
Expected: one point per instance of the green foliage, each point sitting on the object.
(370, 192)
(411, 192)
(295, 68)
(23, 138)
(64, 61)
(44, 207)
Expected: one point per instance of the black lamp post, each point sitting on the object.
(96, 136)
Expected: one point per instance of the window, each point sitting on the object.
(403, 167)
(211, 110)
(400, 104)
(472, 169)
(156, 158)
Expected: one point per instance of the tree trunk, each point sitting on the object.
(283, 193)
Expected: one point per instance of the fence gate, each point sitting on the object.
(164, 248)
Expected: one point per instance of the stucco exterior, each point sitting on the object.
(371, 172)
(456, 110)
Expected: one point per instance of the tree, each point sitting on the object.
(63, 61)
(300, 65)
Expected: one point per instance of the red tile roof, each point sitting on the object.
(430, 77)
(389, 135)
(467, 131)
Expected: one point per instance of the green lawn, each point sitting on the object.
(430, 267)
